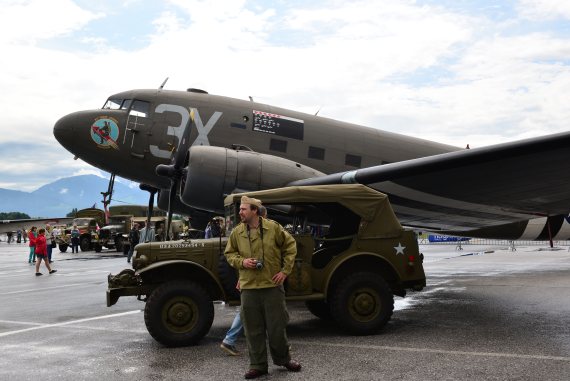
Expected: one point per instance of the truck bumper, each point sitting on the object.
(113, 294)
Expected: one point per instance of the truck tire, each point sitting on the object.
(85, 244)
(118, 245)
(62, 247)
(228, 278)
(178, 313)
(319, 308)
(362, 303)
(98, 248)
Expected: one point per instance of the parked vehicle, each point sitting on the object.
(353, 256)
(88, 221)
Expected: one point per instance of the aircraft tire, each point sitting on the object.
(178, 313)
(319, 308)
(228, 277)
(362, 303)
(85, 244)
(62, 248)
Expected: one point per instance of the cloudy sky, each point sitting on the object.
(455, 71)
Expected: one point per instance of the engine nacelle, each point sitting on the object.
(214, 172)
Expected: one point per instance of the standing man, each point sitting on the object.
(74, 235)
(146, 235)
(49, 238)
(134, 238)
(264, 254)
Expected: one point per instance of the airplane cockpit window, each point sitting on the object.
(117, 104)
(140, 108)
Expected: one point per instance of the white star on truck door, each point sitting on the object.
(399, 249)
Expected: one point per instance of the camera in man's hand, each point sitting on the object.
(258, 264)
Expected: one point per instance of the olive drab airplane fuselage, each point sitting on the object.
(239, 145)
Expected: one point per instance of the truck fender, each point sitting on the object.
(191, 266)
(343, 264)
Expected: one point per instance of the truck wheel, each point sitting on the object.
(85, 244)
(118, 245)
(178, 313)
(98, 248)
(362, 303)
(319, 308)
(63, 248)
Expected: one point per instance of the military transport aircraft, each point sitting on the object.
(196, 147)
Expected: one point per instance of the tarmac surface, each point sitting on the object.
(486, 314)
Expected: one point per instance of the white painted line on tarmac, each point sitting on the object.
(49, 288)
(431, 351)
(67, 323)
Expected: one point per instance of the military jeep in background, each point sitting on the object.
(352, 257)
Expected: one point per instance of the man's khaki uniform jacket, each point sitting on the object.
(278, 245)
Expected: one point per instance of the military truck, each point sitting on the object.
(88, 221)
(111, 235)
(114, 235)
(353, 256)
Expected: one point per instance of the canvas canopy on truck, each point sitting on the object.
(377, 217)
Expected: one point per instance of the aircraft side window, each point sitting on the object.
(126, 104)
(140, 108)
(353, 160)
(316, 153)
(278, 145)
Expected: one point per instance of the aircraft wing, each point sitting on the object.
(473, 188)
(13, 225)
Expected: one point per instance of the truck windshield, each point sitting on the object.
(81, 221)
(117, 220)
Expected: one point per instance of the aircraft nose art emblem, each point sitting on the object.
(105, 132)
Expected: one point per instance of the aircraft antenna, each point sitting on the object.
(251, 98)
(163, 83)
(319, 110)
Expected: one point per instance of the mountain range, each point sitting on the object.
(60, 197)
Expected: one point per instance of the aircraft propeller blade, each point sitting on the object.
(175, 171)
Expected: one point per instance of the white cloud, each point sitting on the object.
(452, 75)
(64, 191)
(544, 9)
(24, 22)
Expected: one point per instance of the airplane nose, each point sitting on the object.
(63, 131)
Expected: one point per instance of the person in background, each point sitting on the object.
(75, 234)
(32, 238)
(25, 235)
(134, 238)
(49, 237)
(19, 236)
(41, 252)
(55, 234)
(146, 235)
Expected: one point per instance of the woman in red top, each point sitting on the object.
(41, 252)
(32, 237)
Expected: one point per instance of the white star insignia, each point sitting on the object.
(399, 249)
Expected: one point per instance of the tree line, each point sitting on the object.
(13, 216)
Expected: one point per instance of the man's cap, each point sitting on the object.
(250, 200)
